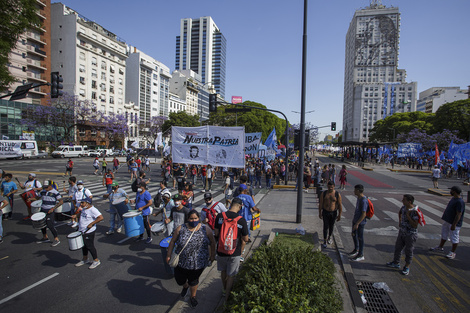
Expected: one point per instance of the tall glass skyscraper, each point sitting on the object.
(201, 47)
(374, 87)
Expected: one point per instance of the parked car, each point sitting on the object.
(94, 153)
(42, 154)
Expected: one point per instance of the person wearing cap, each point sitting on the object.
(31, 184)
(228, 265)
(77, 198)
(113, 211)
(51, 200)
(209, 203)
(89, 217)
(168, 204)
(453, 219)
(143, 201)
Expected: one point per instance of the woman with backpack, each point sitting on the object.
(195, 245)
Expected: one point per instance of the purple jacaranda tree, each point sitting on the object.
(149, 129)
(60, 116)
(442, 139)
(115, 127)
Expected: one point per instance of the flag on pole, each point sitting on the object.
(436, 156)
(271, 140)
(159, 140)
(135, 144)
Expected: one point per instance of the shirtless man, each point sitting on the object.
(330, 211)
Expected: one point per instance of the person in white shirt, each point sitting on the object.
(89, 217)
(436, 174)
(77, 198)
(31, 184)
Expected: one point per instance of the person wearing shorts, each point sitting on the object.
(228, 265)
(453, 218)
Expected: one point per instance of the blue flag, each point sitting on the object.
(271, 141)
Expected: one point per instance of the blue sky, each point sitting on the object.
(264, 44)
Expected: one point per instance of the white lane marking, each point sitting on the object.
(392, 215)
(124, 240)
(28, 288)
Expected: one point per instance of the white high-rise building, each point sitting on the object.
(90, 59)
(147, 85)
(374, 87)
(201, 47)
(431, 99)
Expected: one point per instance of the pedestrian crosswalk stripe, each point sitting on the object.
(392, 215)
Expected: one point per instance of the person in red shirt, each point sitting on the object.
(108, 178)
(69, 167)
(139, 163)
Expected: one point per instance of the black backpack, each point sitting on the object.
(157, 200)
(134, 186)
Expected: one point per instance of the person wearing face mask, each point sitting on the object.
(179, 213)
(211, 209)
(77, 198)
(32, 184)
(51, 200)
(143, 201)
(113, 211)
(142, 178)
(89, 217)
(196, 247)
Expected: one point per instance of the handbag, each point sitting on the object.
(175, 257)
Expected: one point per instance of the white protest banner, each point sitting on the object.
(252, 141)
(214, 145)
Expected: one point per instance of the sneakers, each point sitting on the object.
(242, 259)
(193, 302)
(330, 241)
(82, 262)
(184, 292)
(75, 224)
(149, 240)
(436, 249)
(393, 264)
(70, 223)
(94, 264)
(353, 254)
(358, 258)
(405, 271)
(451, 255)
(109, 232)
(323, 245)
(43, 240)
(119, 229)
(55, 243)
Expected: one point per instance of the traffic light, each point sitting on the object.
(333, 126)
(56, 86)
(213, 102)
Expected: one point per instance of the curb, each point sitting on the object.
(348, 277)
(439, 192)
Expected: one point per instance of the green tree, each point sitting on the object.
(254, 121)
(454, 116)
(180, 118)
(15, 17)
(399, 123)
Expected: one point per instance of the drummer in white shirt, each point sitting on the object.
(89, 217)
(77, 198)
(31, 184)
(116, 193)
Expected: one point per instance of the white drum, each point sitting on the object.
(6, 209)
(59, 209)
(39, 220)
(118, 200)
(157, 228)
(75, 240)
(36, 206)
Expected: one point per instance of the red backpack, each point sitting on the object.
(228, 236)
(370, 209)
(211, 214)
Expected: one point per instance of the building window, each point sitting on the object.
(82, 80)
(93, 61)
(93, 95)
(82, 68)
(93, 84)
(82, 56)
(94, 73)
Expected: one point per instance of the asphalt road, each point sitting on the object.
(131, 277)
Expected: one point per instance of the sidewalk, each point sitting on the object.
(278, 214)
